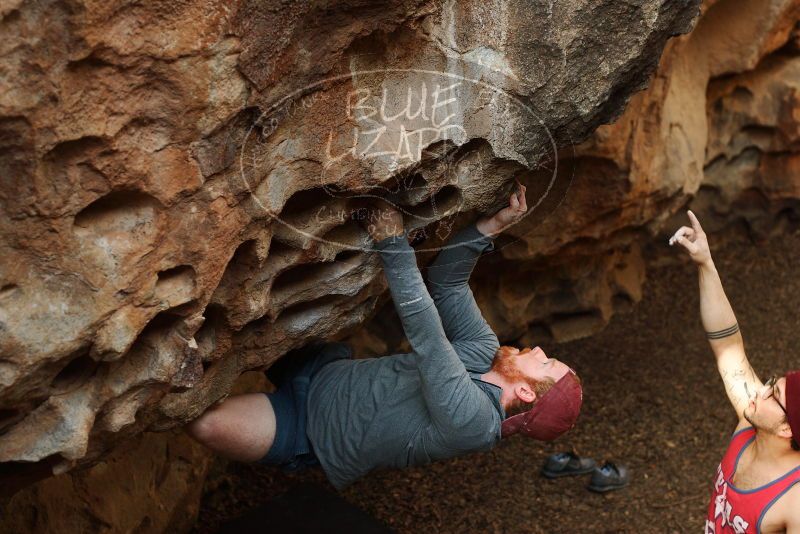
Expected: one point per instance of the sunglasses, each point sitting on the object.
(771, 385)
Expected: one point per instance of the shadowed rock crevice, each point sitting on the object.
(175, 286)
(73, 375)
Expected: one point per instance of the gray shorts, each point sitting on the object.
(292, 376)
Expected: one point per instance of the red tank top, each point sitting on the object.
(734, 510)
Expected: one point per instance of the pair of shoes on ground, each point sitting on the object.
(608, 477)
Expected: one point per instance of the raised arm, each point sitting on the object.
(448, 281)
(452, 399)
(719, 321)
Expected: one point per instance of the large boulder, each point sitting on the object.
(716, 131)
(177, 180)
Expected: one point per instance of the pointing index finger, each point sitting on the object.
(695, 222)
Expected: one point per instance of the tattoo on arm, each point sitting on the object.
(719, 334)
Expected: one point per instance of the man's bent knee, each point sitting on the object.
(241, 428)
(205, 428)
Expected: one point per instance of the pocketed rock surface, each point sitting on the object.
(177, 180)
(166, 228)
(653, 401)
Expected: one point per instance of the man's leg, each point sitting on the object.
(241, 428)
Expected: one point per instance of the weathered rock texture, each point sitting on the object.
(162, 202)
(716, 131)
(152, 484)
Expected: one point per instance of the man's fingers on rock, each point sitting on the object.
(514, 201)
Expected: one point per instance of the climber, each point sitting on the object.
(457, 391)
(756, 486)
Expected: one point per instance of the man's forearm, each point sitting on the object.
(716, 312)
(448, 279)
(445, 381)
(455, 262)
(488, 226)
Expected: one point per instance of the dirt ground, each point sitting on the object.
(652, 400)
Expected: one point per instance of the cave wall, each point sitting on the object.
(174, 176)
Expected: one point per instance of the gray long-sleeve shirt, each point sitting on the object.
(426, 405)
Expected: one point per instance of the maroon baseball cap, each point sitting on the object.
(793, 403)
(553, 414)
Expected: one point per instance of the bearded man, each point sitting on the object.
(757, 484)
(451, 395)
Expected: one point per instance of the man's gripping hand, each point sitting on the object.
(694, 240)
(382, 220)
(516, 209)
